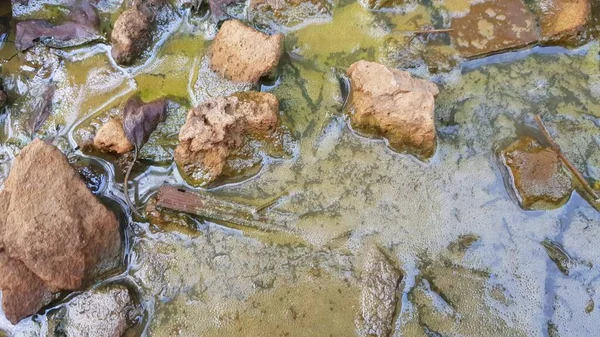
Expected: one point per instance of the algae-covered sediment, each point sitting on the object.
(194, 277)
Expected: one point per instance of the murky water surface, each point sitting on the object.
(474, 262)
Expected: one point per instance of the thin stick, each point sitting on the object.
(427, 31)
(126, 183)
(565, 160)
(206, 205)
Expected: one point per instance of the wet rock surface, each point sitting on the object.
(394, 105)
(219, 127)
(382, 4)
(561, 19)
(494, 26)
(53, 226)
(103, 312)
(130, 35)
(111, 138)
(23, 292)
(539, 177)
(288, 14)
(380, 281)
(243, 54)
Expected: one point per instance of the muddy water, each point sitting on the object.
(474, 262)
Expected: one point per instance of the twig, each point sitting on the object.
(427, 31)
(205, 205)
(128, 201)
(565, 160)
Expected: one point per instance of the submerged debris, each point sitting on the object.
(492, 27)
(82, 27)
(3, 97)
(105, 312)
(243, 54)
(217, 128)
(55, 235)
(220, 210)
(379, 295)
(288, 14)
(540, 179)
(381, 4)
(394, 105)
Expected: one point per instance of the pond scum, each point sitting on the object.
(309, 224)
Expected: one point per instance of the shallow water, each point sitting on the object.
(474, 262)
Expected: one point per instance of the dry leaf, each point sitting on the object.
(140, 119)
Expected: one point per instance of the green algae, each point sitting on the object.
(474, 257)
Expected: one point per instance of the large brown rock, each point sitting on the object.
(23, 293)
(492, 27)
(539, 178)
(53, 226)
(561, 19)
(111, 138)
(391, 103)
(243, 54)
(217, 127)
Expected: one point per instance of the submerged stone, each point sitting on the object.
(394, 105)
(492, 27)
(381, 4)
(218, 127)
(538, 175)
(379, 295)
(561, 19)
(243, 54)
(106, 312)
(111, 138)
(289, 14)
(52, 226)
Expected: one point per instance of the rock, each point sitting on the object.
(381, 4)
(393, 104)
(492, 27)
(53, 225)
(561, 19)
(243, 54)
(379, 295)
(130, 35)
(105, 312)
(23, 293)
(288, 14)
(539, 178)
(111, 138)
(218, 127)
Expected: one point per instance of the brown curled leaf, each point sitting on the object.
(141, 119)
(82, 28)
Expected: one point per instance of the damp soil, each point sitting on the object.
(474, 262)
